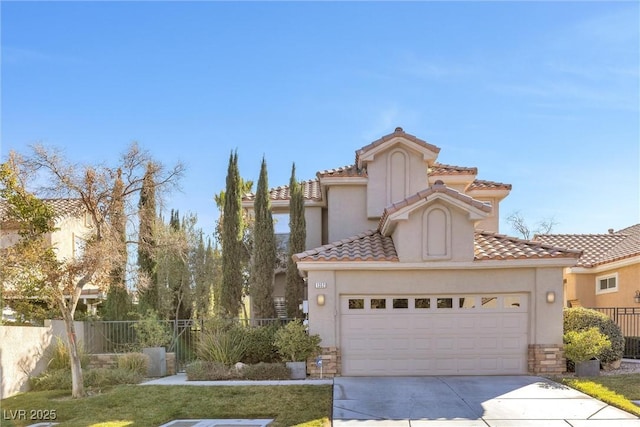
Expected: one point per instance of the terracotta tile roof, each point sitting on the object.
(373, 246)
(310, 190)
(493, 246)
(437, 187)
(367, 246)
(480, 184)
(398, 132)
(344, 171)
(599, 249)
(61, 207)
(442, 169)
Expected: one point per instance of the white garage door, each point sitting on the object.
(434, 335)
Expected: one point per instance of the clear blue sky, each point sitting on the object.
(542, 95)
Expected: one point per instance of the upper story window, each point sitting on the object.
(607, 284)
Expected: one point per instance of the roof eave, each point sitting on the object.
(558, 262)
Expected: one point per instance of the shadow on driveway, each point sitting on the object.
(480, 400)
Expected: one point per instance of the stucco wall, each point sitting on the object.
(383, 176)
(410, 236)
(492, 222)
(313, 221)
(583, 287)
(545, 320)
(21, 356)
(347, 212)
(66, 238)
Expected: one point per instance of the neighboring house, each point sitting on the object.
(72, 224)
(409, 275)
(608, 272)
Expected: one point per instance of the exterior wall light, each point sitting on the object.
(320, 299)
(551, 297)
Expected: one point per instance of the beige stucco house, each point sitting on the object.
(606, 277)
(72, 228)
(407, 274)
(608, 272)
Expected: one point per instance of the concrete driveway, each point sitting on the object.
(470, 401)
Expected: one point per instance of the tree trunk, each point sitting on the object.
(77, 385)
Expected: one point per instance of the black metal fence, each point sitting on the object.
(120, 336)
(628, 319)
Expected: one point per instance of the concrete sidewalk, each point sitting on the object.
(495, 401)
(181, 379)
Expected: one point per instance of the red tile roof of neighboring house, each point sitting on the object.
(310, 191)
(61, 207)
(599, 249)
(398, 132)
(373, 246)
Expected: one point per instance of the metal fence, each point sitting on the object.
(628, 319)
(120, 336)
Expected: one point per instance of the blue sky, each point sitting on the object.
(542, 95)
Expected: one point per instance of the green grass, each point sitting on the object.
(130, 405)
(616, 390)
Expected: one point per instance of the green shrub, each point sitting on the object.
(60, 379)
(294, 343)
(52, 379)
(579, 319)
(580, 346)
(260, 345)
(226, 346)
(151, 332)
(134, 362)
(201, 370)
(58, 355)
(266, 371)
(104, 377)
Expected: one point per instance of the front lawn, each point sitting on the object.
(616, 390)
(132, 405)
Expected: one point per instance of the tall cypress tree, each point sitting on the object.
(294, 290)
(232, 281)
(202, 286)
(264, 251)
(148, 297)
(118, 302)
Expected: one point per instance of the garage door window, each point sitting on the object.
(400, 303)
(511, 302)
(378, 303)
(422, 303)
(489, 302)
(356, 303)
(445, 303)
(467, 302)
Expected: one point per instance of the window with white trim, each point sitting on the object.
(607, 284)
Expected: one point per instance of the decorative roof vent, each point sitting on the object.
(399, 129)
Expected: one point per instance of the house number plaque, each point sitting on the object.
(321, 285)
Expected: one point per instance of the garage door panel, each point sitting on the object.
(447, 341)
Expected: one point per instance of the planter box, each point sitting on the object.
(298, 370)
(157, 361)
(590, 368)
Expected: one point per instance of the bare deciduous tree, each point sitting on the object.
(519, 224)
(93, 185)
